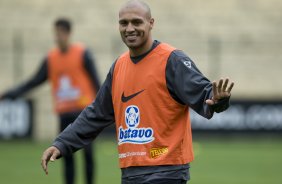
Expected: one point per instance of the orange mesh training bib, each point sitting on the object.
(152, 128)
(71, 86)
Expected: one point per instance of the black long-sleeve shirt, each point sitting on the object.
(186, 84)
(42, 75)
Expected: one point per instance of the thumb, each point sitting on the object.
(54, 156)
(210, 102)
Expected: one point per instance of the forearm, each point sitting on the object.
(40, 77)
(89, 123)
(90, 67)
(187, 84)
(82, 132)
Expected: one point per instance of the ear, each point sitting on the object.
(152, 20)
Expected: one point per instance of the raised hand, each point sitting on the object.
(49, 154)
(220, 89)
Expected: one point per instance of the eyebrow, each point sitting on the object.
(131, 20)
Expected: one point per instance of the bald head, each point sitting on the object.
(136, 4)
(135, 25)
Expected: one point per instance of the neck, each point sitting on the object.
(64, 48)
(141, 50)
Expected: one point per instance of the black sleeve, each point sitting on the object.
(187, 84)
(40, 76)
(89, 64)
(92, 120)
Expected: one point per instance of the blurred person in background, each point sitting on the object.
(147, 94)
(71, 71)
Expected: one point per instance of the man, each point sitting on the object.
(74, 81)
(147, 93)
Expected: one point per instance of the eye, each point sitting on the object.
(137, 22)
(123, 23)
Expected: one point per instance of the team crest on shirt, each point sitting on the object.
(132, 134)
(132, 116)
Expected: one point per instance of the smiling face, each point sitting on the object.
(135, 25)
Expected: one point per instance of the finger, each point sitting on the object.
(214, 89)
(209, 102)
(45, 167)
(44, 163)
(230, 87)
(219, 87)
(54, 156)
(226, 81)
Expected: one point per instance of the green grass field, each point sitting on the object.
(217, 161)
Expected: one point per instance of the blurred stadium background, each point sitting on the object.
(236, 38)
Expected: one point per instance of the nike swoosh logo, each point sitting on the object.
(127, 98)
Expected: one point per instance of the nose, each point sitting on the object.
(130, 28)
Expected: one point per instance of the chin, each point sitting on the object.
(133, 45)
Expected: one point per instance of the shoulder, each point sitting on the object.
(166, 47)
(123, 56)
(179, 54)
(79, 47)
(52, 52)
(163, 50)
(178, 58)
